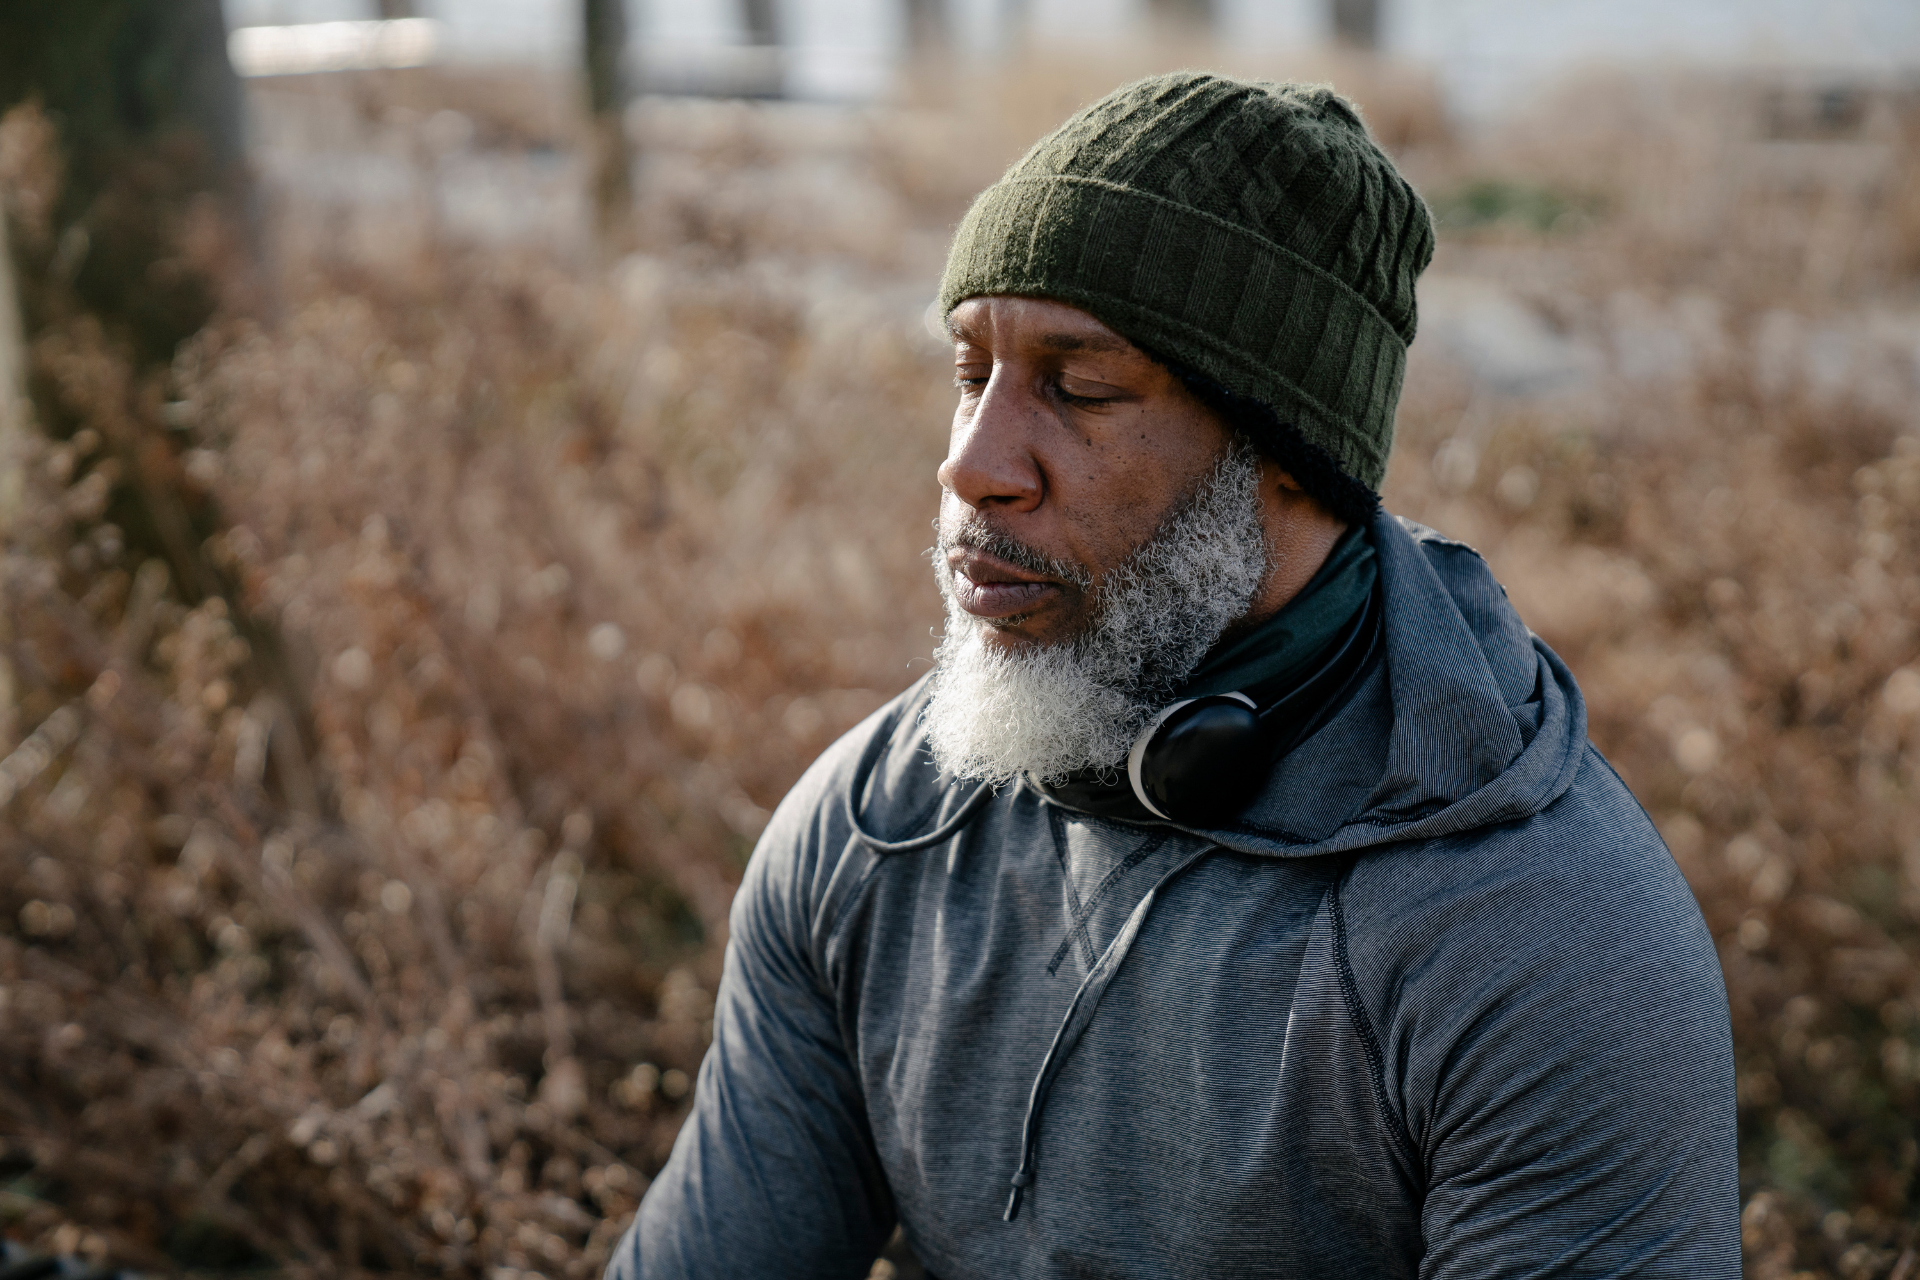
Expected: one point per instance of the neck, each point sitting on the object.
(1300, 534)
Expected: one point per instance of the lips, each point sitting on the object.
(988, 587)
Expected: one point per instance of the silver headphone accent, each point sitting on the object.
(1144, 740)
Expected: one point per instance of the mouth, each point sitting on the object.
(990, 588)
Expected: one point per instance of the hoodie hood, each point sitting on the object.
(1469, 721)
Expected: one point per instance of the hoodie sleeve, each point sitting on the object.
(774, 1172)
(1554, 1034)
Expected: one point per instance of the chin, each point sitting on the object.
(1021, 631)
(1011, 637)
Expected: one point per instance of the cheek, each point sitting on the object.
(1112, 505)
(1099, 533)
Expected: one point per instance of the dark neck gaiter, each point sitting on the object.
(1265, 664)
(1267, 661)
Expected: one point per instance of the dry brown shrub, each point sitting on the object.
(576, 562)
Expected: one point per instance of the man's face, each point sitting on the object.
(1069, 442)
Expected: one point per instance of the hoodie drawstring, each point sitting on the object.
(869, 759)
(1079, 1013)
(1086, 1001)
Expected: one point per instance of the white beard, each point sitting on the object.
(1053, 710)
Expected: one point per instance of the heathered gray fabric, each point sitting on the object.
(1442, 1007)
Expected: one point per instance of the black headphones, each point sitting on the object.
(1203, 760)
(1199, 763)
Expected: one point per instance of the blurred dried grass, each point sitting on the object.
(364, 915)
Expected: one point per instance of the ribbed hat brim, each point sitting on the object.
(1257, 318)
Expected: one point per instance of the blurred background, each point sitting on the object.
(461, 459)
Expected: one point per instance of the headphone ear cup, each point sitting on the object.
(1201, 761)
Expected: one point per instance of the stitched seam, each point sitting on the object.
(1082, 912)
(1363, 1026)
(853, 900)
(1056, 824)
(926, 811)
(877, 861)
(1608, 765)
(1377, 824)
(1276, 833)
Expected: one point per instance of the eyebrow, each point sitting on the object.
(1075, 342)
(1058, 341)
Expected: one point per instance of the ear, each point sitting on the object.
(1272, 473)
(1288, 501)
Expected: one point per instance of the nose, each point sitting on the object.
(990, 460)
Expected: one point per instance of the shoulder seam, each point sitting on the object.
(1363, 1027)
(846, 911)
(1424, 537)
(1607, 764)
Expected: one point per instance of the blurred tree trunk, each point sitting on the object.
(1357, 23)
(762, 19)
(391, 9)
(605, 23)
(151, 138)
(1192, 13)
(1014, 16)
(145, 227)
(131, 222)
(926, 25)
(14, 416)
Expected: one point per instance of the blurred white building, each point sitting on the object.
(1483, 50)
(1486, 51)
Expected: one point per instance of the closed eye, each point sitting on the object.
(1060, 390)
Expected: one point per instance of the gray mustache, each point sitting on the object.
(976, 534)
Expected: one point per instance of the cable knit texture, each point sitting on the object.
(1249, 230)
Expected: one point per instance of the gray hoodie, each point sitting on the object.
(1439, 1004)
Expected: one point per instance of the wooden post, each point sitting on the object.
(762, 18)
(926, 25)
(1190, 13)
(605, 24)
(1357, 23)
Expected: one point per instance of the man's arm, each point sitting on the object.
(774, 1172)
(1586, 1126)
(1556, 1029)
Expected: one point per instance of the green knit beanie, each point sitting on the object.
(1251, 232)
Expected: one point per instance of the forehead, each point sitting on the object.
(1045, 324)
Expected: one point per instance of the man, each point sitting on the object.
(1359, 961)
